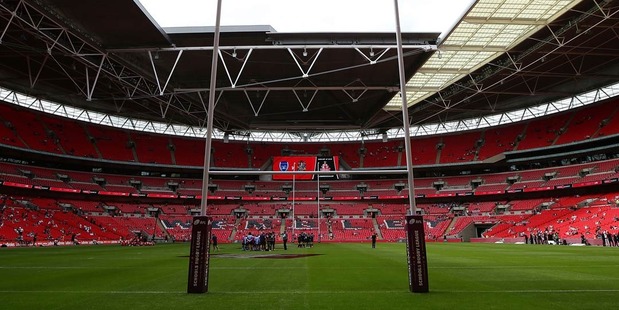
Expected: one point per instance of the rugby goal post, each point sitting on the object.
(414, 225)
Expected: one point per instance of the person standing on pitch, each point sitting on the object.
(285, 240)
(214, 242)
(373, 240)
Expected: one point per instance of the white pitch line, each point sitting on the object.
(407, 292)
(89, 292)
(80, 267)
(303, 267)
(523, 266)
(531, 291)
(310, 292)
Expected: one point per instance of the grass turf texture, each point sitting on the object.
(344, 276)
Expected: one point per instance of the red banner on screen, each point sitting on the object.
(294, 163)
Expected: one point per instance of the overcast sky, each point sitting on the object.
(313, 15)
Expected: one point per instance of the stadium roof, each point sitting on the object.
(505, 55)
(111, 57)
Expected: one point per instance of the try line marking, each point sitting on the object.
(308, 292)
(304, 267)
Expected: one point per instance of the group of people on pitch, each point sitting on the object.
(305, 240)
(265, 241)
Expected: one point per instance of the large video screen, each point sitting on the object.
(304, 163)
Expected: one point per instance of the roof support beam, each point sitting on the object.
(70, 76)
(256, 111)
(91, 88)
(351, 93)
(33, 80)
(178, 57)
(313, 58)
(64, 41)
(521, 68)
(423, 47)
(223, 61)
(10, 21)
(289, 88)
(372, 59)
(305, 106)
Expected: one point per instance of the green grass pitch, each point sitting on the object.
(342, 276)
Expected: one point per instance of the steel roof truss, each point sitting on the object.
(33, 80)
(606, 15)
(560, 40)
(152, 62)
(351, 93)
(167, 106)
(204, 105)
(313, 58)
(373, 58)
(309, 102)
(57, 37)
(251, 103)
(223, 60)
(91, 88)
(525, 82)
(10, 21)
(70, 76)
(517, 65)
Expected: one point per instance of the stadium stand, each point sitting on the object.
(424, 151)
(583, 126)
(71, 137)
(151, 148)
(499, 140)
(348, 218)
(460, 148)
(541, 132)
(113, 144)
(382, 154)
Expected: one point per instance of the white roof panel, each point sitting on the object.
(491, 27)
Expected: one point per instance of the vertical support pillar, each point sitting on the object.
(318, 202)
(201, 229)
(294, 224)
(416, 245)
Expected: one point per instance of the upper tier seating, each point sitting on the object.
(457, 148)
(38, 131)
(32, 131)
(609, 125)
(583, 126)
(423, 150)
(71, 137)
(151, 148)
(543, 131)
(500, 139)
(8, 136)
(382, 154)
(112, 143)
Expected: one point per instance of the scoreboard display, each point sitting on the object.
(304, 163)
